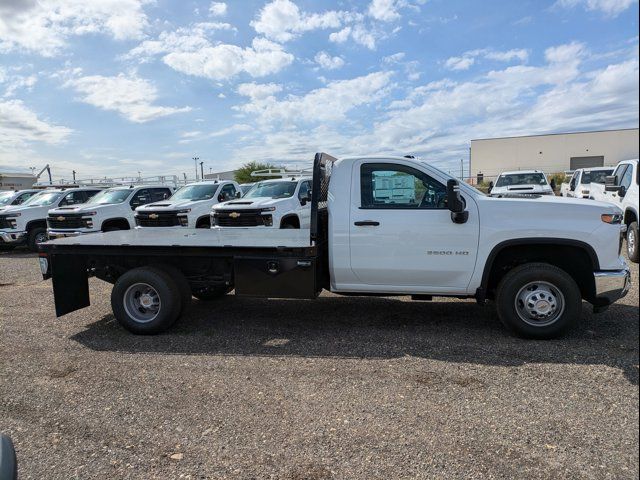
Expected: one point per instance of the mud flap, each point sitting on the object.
(70, 283)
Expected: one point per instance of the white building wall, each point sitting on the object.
(551, 153)
(10, 181)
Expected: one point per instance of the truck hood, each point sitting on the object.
(250, 203)
(81, 208)
(168, 205)
(519, 189)
(22, 208)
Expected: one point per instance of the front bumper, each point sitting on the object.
(13, 238)
(612, 285)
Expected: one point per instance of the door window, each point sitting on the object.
(158, 194)
(73, 198)
(228, 192)
(141, 197)
(627, 177)
(22, 198)
(391, 186)
(304, 190)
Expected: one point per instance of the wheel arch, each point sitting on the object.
(36, 223)
(630, 216)
(575, 257)
(290, 218)
(118, 221)
(203, 218)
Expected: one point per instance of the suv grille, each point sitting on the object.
(157, 219)
(5, 223)
(66, 220)
(238, 218)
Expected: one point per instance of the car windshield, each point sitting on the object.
(512, 179)
(597, 176)
(6, 197)
(109, 196)
(246, 187)
(284, 189)
(42, 199)
(195, 192)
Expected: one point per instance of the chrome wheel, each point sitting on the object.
(142, 302)
(41, 237)
(539, 303)
(631, 242)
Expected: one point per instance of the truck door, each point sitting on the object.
(401, 231)
(304, 208)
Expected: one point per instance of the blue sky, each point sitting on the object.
(113, 87)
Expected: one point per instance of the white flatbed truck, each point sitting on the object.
(450, 240)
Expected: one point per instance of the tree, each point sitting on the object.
(243, 174)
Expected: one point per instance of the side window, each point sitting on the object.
(228, 191)
(304, 190)
(91, 193)
(73, 198)
(22, 198)
(627, 177)
(158, 194)
(619, 173)
(398, 186)
(141, 197)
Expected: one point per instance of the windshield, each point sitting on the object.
(512, 179)
(6, 197)
(109, 196)
(195, 192)
(246, 187)
(284, 189)
(597, 176)
(42, 199)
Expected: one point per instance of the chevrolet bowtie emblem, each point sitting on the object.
(60, 219)
(234, 214)
(153, 216)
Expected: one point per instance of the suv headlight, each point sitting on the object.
(268, 209)
(89, 214)
(183, 212)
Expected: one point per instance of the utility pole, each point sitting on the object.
(461, 169)
(195, 161)
(201, 171)
(74, 176)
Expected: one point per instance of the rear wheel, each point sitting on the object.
(146, 300)
(538, 300)
(211, 293)
(632, 242)
(37, 236)
(181, 281)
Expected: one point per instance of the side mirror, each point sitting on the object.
(165, 196)
(490, 187)
(305, 199)
(456, 203)
(610, 183)
(622, 191)
(238, 194)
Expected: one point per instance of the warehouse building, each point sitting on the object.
(553, 153)
(16, 181)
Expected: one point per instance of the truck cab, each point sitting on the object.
(12, 198)
(27, 223)
(581, 182)
(274, 203)
(111, 209)
(621, 189)
(521, 182)
(189, 207)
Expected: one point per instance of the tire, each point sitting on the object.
(36, 236)
(538, 300)
(160, 290)
(632, 242)
(181, 282)
(206, 294)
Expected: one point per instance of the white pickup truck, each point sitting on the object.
(109, 210)
(12, 198)
(189, 207)
(521, 182)
(583, 179)
(537, 259)
(27, 223)
(277, 203)
(622, 189)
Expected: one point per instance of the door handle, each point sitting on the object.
(366, 223)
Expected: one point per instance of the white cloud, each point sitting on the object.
(44, 26)
(130, 96)
(282, 20)
(384, 10)
(13, 82)
(218, 9)
(565, 53)
(328, 62)
(469, 58)
(395, 58)
(515, 54)
(330, 103)
(20, 126)
(258, 91)
(610, 8)
(340, 36)
(459, 63)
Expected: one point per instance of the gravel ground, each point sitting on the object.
(339, 388)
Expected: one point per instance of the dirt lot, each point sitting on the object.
(345, 388)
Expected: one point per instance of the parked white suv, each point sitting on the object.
(521, 182)
(27, 223)
(188, 207)
(276, 203)
(11, 198)
(581, 182)
(622, 189)
(111, 209)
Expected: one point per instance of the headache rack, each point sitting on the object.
(282, 173)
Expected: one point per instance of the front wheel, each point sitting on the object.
(146, 300)
(37, 236)
(632, 242)
(538, 300)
